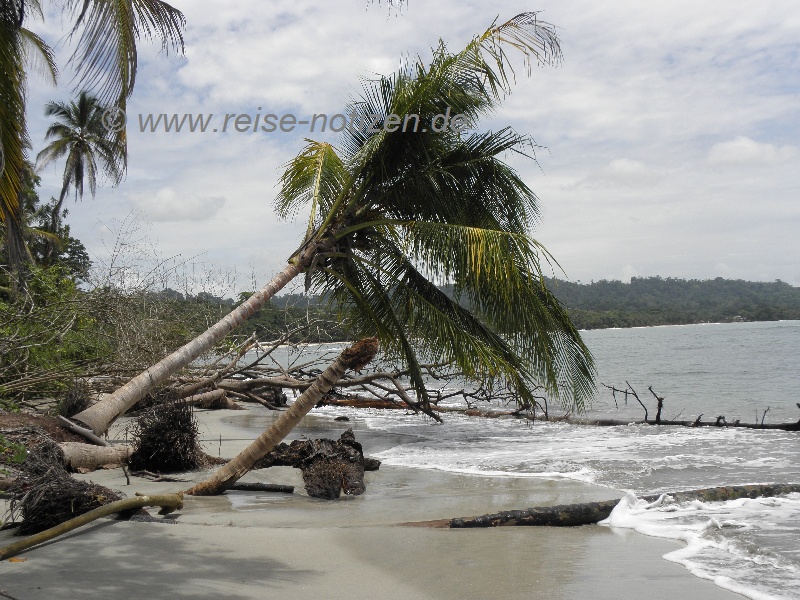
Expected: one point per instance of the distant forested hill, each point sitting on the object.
(657, 301)
(644, 301)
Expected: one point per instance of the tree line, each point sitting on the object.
(647, 301)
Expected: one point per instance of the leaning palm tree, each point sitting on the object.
(105, 57)
(394, 210)
(355, 357)
(80, 136)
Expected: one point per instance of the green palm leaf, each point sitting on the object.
(107, 32)
(20, 49)
(89, 150)
(395, 211)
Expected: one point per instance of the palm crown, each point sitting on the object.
(394, 211)
(90, 150)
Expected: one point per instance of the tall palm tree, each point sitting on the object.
(80, 135)
(106, 33)
(393, 211)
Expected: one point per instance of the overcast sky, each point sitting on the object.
(670, 132)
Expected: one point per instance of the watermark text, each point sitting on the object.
(114, 119)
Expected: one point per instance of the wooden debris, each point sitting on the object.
(329, 467)
(570, 515)
(88, 457)
(213, 400)
(87, 433)
(262, 487)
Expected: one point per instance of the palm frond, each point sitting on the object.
(107, 31)
(14, 140)
(39, 56)
(90, 149)
(511, 328)
(316, 176)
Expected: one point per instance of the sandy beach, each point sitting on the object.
(255, 545)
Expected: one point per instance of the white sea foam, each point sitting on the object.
(726, 542)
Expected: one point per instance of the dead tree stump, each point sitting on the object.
(329, 467)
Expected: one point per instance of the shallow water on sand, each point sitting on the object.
(737, 370)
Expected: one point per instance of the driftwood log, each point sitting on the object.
(719, 422)
(329, 467)
(214, 400)
(261, 487)
(494, 413)
(569, 515)
(88, 457)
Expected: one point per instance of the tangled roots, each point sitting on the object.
(165, 440)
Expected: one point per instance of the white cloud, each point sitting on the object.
(167, 205)
(744, 150)
(630, 120)
(620, 172)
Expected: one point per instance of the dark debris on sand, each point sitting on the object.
(165, 440)
(329, 467)
(45, 495)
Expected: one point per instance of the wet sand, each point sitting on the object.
(257, 545)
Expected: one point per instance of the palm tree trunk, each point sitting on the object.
(354, 357)
(101, 415)
(16, 251)
(55, 217)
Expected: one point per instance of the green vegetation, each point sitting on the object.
(647, 301)
(11, 453)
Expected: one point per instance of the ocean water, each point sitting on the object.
(738, 370)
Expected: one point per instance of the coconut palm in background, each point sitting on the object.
(90, 149)
(394, 212)
(105, 59)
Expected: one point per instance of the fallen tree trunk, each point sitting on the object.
(569, 515)
(167, 502)
(87, 457)
(245, 385)
(87, 433)
(262, 487)
(494, 413)
(355, 357)
(213, 400)
(695, 423)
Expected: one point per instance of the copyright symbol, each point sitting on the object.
(114, 119)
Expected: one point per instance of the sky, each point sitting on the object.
(669, 136)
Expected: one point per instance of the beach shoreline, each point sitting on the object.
(249, 545)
